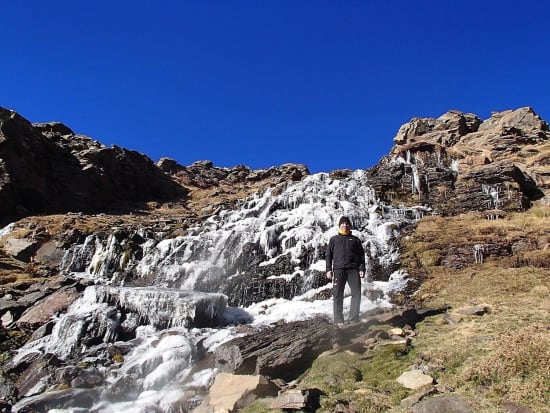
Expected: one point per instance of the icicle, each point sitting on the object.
(494, 192)
(7, 229)
(479, 250)
(415, 180)
(455, 166)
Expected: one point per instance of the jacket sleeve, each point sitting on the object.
(328, 255)
(362, 266)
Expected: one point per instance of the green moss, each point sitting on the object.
(385, 366)
(362, 400)
(365, 382)
(334, 374)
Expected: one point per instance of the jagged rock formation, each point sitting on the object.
(458, 163)
(203, 174)
(213, 188)
(47, 168)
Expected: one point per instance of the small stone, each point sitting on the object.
(516, 408)
(414, 379)
(396, 332)
(447, 404)
(474, 310)
(410, 401)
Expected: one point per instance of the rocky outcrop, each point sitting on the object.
(283, 351)
(47, 168)
(458, 163)
(203, 174)
(286, 350)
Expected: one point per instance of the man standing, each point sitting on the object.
(345, 262)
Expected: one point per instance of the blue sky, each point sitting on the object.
(262, 83)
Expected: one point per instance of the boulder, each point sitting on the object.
(283, 351)
(20, 248)
(443, 404)
(44, 310)
(297, 400)
(49, 253)
(414, 379)
(230, 392)
(294, 399)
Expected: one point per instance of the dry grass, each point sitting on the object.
(502, 355)
(518, 366)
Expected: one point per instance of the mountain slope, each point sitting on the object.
(47, 168)
(485, 247)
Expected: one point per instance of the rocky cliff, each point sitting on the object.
(454, 163)
(47, 169)
(458, 162)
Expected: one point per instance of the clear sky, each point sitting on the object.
(326, 83)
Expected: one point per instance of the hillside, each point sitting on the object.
(468, 198)
(491, 348)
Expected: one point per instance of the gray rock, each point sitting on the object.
(294, 399)
(444, 404)
(516, 408)
(20, 248)
(479, 309)
(49, 253)
(41, 312)
(283, 351)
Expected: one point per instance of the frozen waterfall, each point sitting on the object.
(268, 254)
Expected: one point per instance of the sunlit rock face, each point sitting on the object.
(458, 162)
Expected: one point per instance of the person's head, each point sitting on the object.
(344, 225)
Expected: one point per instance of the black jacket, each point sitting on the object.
(345, 251)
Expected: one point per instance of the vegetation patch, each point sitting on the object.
(517, 367)
(503, 354)
(363, 382)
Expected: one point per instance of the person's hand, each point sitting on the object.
(329, 275)
(362, 274)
